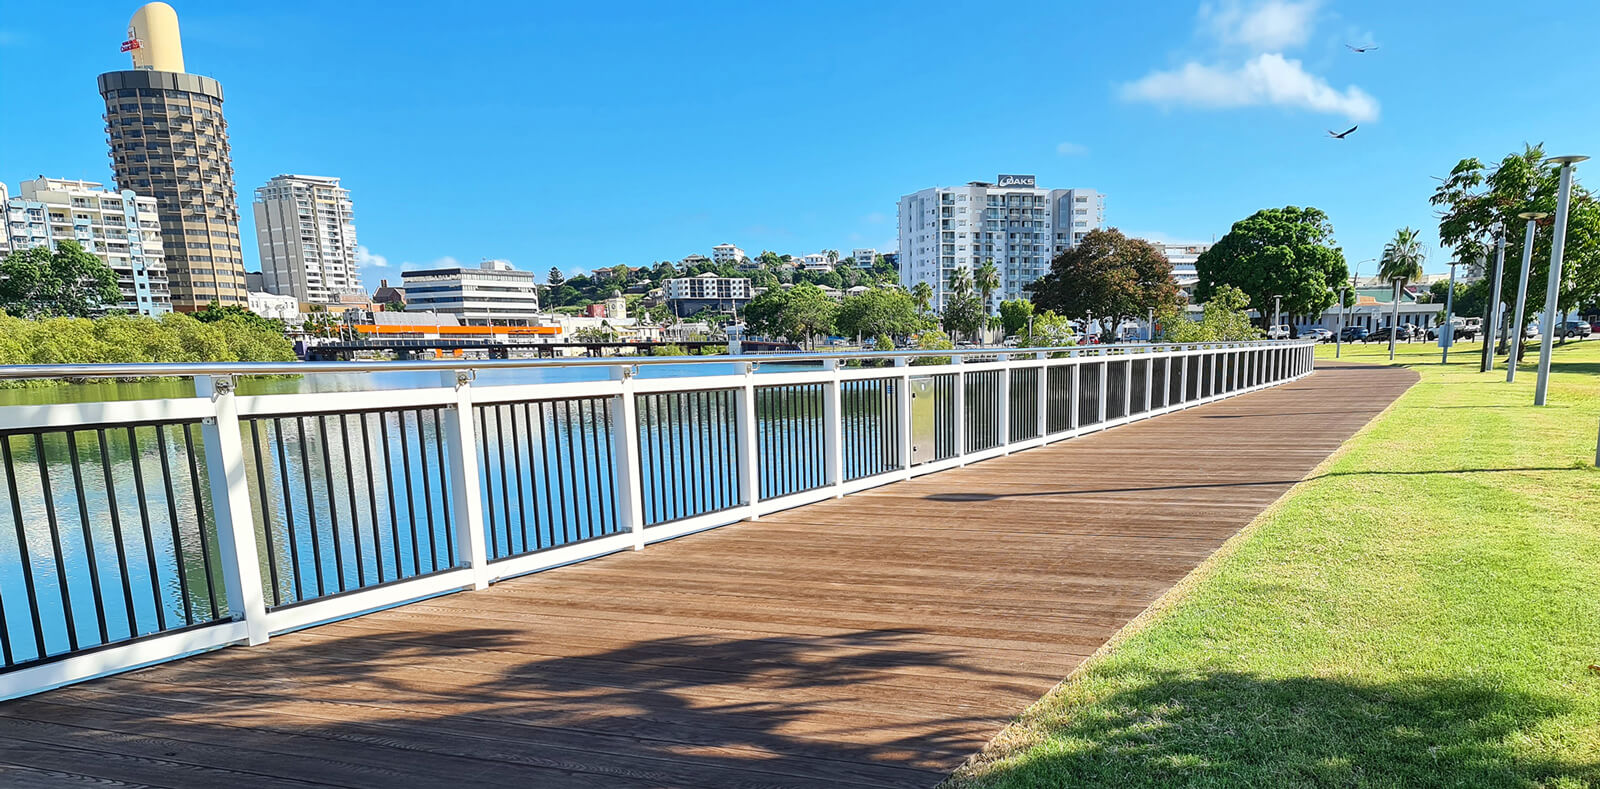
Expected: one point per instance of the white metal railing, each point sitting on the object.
(134, 532)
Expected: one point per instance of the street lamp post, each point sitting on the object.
(1514, 339)
(1494, 300)
(1552, 293)
(1394, 319)
(1277, 309)
(1338, 339)
(1447, 332)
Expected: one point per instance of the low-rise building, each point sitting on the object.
(120, 228)
(385, 294)
(864, 257)
(1183, 256)
(688, 295)
(728, 253)
(493, 293)
(274, 306)
(815, 261)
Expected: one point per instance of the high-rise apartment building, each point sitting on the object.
(1012, 222)
(728, 253)
(120, 228)
(493, 294)
(1183, 257)
(306, 233)
(169, 141)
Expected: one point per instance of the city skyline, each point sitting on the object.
(773, 155)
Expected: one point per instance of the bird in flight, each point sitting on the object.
(1367, 48)
(1341, 135)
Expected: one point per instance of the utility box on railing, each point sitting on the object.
(924, 419)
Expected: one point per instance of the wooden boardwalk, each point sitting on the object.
(877, 640)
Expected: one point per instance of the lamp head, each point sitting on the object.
(1565, 161)
(1534, 215)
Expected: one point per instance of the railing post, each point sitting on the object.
(1105, 377)
(961, 413)
(461, 441)
(833, 428)
(749, 462)
(903, 414)
(1183, 378)
(625, 454)
(1042, 394)
(1127, 389)
(230, 504)
(1004, 402)
(1149, 381)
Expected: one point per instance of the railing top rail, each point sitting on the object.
(192, 369)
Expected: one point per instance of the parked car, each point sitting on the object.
(1402, 333)
(1594, 325)
(1578, 329)
(1353, 333)
(1278, 332)
(1316, 333)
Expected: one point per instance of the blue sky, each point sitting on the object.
(589, 134)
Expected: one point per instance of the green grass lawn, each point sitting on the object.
(1422, 611)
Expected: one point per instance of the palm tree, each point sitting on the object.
(1401, 263)
(832, 255)
(987, 280)
(922, 292)
(961, 281)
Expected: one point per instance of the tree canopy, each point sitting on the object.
(1226, 317)
(796, 314)
(1477, 199)
(1288, 252)
(1108, 275)
(66, 282)
(879, 311)
(1014, 315)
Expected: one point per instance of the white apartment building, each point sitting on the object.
(494, 293)
(688, 295)
(1011, 221)
(5, 229)
(1183, 255)
(728, 253)
(120, 228)
(815, 261)
(306, 233)
(864, 257)
(271, 305)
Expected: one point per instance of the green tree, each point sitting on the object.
(961, 280)
(1014, 315)
(986, 279)
(1049, 330)
(215, 312)
(922, 294)
(1110, 276)
(879, 311)
(1287, 252)
(64, 340)
(767, 315)
(811, 312)
(933, 340)
(394, 306)
(70, 282)
(1477, 199)
(963, 314)
(554, 278)
(763, 278)
(1226, 318)
(1401, 263)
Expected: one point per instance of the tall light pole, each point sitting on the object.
(1277, 308)
(1447, 333)
(1338, 339)
(1552, 293)
(1514, 339)
(1394, 320)
(1494, 299)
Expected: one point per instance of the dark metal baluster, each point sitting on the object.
(22, 547)
(266, 514)
(572, 464)
(88, 536)
(516, 454)
(394, 505)
(372, 497)
(700, 429)
(311, 506)
(444, 489)
(116, 533)
(288, 510)
(55, 539)
(551, 484)
(350, 488)
(500, 449)
(589, 486)
(172, 520)
(427, 493)
(411, 499)
(200, 518)
(333, 501)
(488, 486)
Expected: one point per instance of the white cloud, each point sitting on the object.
(444, 262)
(365, 258)
(1263, 26)
(1071, 149)
(1267, 79)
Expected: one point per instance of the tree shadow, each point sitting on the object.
(1236, 729)
(979, 496)
(517, 707)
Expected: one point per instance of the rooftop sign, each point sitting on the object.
(1014, 180)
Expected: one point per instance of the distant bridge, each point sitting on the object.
(417, 347)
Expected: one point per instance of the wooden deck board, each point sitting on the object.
(875, 640)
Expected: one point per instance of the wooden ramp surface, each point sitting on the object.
(877, 640)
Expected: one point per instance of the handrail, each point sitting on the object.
(192, 369)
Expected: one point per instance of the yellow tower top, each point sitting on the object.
(153, 39)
